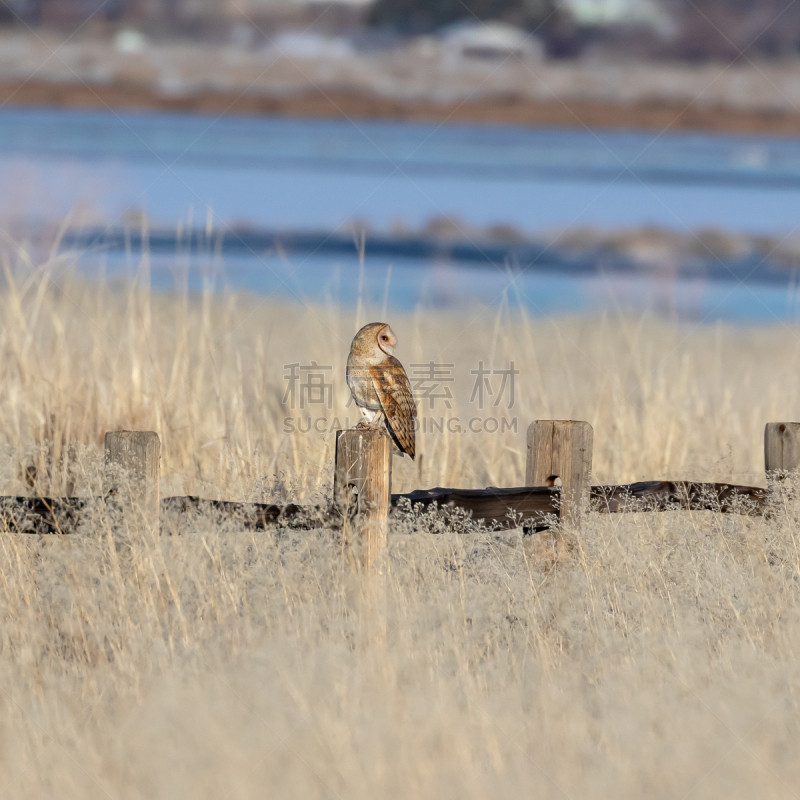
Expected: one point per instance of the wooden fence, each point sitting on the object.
(559, 452)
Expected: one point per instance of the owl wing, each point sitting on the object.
(394, 391)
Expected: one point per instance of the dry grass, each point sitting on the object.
(651, 655)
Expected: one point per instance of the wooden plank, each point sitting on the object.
(561, 449)
(256, 516)
(502, 508)
(781, 447)
(725, 498)
(48, 515)
(62, 515)
(362, 488)
(133, 469)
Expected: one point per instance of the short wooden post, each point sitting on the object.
(133, 469)
(362, 483)
(561, 449)
(781, 447)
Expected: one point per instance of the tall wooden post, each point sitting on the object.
(133, 469)
(561, 449)
(362, 485)
(781, 446)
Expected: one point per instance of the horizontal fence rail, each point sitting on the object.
(558, 471)
(511, 508)
(502, 509)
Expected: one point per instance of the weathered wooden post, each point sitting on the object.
(561, 449)
(781, 446)
(133, 469)
(362, 485)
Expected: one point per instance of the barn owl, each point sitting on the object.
(380, 386)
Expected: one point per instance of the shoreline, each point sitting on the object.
(646, 254)
(507, 109)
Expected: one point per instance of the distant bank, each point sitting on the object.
(418, 81)
(511, 108)
(592, 259)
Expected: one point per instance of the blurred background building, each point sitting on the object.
(694, 30)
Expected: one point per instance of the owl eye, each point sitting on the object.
(385, 338)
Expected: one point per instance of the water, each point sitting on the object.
(312, 173)
(325, 174)
(409, 284)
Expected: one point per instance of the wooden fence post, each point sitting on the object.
(561, 449)
(137, 456)
(781, 446)
(362, 483)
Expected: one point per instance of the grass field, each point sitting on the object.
(649, 655)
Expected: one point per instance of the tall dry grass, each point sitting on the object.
(648, 655)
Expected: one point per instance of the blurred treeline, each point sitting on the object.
(690, 30)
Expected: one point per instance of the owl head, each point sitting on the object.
(375, 340)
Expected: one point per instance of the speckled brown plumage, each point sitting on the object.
(380, 386)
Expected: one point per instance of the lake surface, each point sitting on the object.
(411, 284)
(273, 173)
